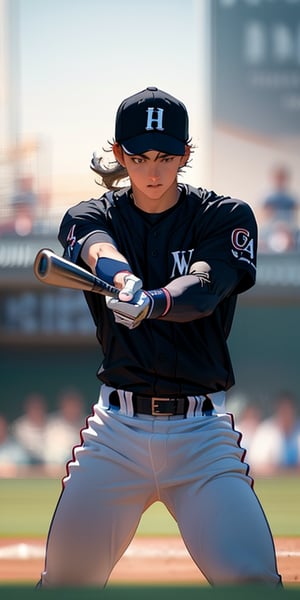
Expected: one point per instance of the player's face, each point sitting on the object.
(153, 175)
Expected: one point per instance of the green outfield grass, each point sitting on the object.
(149, 592)
(27, 505)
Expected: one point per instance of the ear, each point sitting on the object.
(186, 156)
(118, 153)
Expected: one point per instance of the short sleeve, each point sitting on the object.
(231, 241)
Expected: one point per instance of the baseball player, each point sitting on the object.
(160, 431)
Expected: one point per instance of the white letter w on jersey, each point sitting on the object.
(182, 261)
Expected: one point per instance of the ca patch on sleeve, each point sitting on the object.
(243, 247)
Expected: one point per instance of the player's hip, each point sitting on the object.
(176, 406)
(169, 451)
(200, 422)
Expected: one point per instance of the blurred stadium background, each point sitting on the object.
(245, 113)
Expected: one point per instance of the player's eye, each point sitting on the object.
(137, 160)
(167, 159)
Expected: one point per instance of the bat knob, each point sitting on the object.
(42, 266)
(41, 263)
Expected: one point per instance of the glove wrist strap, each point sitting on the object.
(160, 303)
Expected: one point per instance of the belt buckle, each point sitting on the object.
(155, 412)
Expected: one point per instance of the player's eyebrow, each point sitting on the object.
(163, 155)
(159, 155)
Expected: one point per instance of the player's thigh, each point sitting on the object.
(226, 531)
(93, 523)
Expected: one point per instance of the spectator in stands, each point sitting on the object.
(30, 428)
(247, 424)
(63, 427)
(276, 442)
(280, 207)
(12, 454)
(24, 206)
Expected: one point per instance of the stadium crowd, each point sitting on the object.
(43, 440)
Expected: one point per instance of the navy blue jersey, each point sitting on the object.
(166, 357)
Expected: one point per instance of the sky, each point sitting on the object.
(80, 58)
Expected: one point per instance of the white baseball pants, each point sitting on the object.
(193, 465)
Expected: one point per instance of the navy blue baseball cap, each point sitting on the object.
(152, 120)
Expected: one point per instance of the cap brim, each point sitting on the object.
(154, 141)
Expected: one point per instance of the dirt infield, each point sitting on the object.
(147, 561)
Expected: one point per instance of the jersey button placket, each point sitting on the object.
(153, 248)
(156, 250)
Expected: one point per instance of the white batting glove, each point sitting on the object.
(130, 313)
(132, 285)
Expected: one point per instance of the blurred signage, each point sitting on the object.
(19, 252)
(17, 256)
(256, 65)
(278, 271)
(54, 312)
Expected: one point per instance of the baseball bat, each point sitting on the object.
(54, 270)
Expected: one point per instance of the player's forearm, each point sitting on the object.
(194, 297)
(111, 266)
(189, 299)
(93, 250)
(190, 296)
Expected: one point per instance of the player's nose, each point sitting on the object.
(153, 172)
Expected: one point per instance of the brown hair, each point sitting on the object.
(110, 175)
(114, 173)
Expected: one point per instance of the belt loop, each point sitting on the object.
(126, 406)
(195, 406)
(129, 404)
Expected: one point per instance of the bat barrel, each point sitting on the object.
(54, 270)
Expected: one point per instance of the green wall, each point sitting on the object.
(264, 345)
(48, 370)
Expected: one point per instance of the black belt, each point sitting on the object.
(154, 406)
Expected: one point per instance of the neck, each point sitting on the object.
(156, 205)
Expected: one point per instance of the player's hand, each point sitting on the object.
(131, 312)
(131, 285)
(150, 304)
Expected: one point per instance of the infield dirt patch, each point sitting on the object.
(147, 561)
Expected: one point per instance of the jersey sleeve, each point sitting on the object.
(228, 249)
(82, 221)
(230, 244)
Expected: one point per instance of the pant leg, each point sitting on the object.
(99, 509)
(219, 516)
(227, 534)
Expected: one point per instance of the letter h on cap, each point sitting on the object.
(154, 117)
